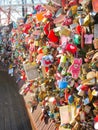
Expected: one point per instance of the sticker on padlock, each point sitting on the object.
(86, 101)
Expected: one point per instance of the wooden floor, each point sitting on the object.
(13, 114)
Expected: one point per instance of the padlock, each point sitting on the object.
(82, 116)
(63, 59)
(77, 39)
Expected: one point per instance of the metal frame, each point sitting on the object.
(14, 5)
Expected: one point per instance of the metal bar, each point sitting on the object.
(9, 13)
(33, 4)
(26, 8)
(23, 8)
(4, 12)
(17, 5)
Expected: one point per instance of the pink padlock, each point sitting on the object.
(67, 21)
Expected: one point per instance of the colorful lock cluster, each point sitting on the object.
(55, 51)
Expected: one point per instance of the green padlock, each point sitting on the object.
(63, 72)
(59, 68)
(77, 39)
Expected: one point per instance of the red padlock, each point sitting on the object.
(52, 37)
(71, 48)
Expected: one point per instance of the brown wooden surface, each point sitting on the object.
(37, 123)
(13, 113)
